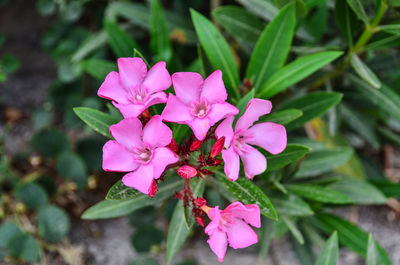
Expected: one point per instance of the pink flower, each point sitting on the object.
(267, 135)
(198, 103)
(133, 89)
(140, 152)
(232, 226)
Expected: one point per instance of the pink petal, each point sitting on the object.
(215, 216)
(187, 86)
(128, 132)
(250, 212)
(200, 127)
(214, 89)
(218, 244)
(117, 158)
(140, 179)
(221, 110)
(131, 71)
(156, 133)
(112, 89)
(163, 157)
(241, 235)
(157, 79)
(232, 164)
(270, 136)
(254, 162)
(130, 110)
(176, 111)
(255, 108)
(225, 129)
(156, 98)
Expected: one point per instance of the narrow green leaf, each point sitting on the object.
(293, 152)
(160, 43)
(110, 209)
(312, 105)
(261, 8)
(330, 252)
(360, 191)
(319, 193)
(392, 29)
(364, 72)
(272, 47)
(374, 256)
(296, 71)
(346, 20)
(282, 117)
(98, 68)
(92, 43)
(290, 204)
(244, 101)
(218, 51)
(389, 135)
(248, 193)
(121, 43)
(322, 161)
(293, 229)
(349, 234)
(239, 22)
(97, 120)
(358, 8)
(390, 189)
(121, 192)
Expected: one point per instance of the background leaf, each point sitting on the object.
(97, 120)
(330, 252)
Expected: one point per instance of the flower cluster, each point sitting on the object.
(145, 149)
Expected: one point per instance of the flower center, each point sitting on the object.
(200, 109)
(143, 155)
(137, 96)
(240, 140)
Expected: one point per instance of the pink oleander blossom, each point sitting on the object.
(133, 89)
(232, 226)
(141, 152)
(267, 135)
(198, 103)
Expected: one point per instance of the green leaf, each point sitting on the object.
(197, 186)
(239, 22)
(390, 189)
(92, 43)
(46, 7)
(261, 8)
(296, 71)
(374, 256)
(50, 142)
(293, 152)
(349, 234)
(392, 29)
(71, 166)
(109, 209)
(360, 191)
(384, 98)
(218, 51)
(322, 161)
(330, 252)
(389, 135)
(121, 192)
(9, 63)
(97, 120)
(144, 261)
(121, 43)
(8, 230)
(272, 47)
(32, 194)
(290, 204)
(312, 105)
(53, 223)
(346, 20)
(293, 229)
(160, 44)
(25, 247)
(244, 101)
(146, 237)
(364, 72)
(358, 8)
(282, 117)
(98, 68)
(319, 193)
(248, 193)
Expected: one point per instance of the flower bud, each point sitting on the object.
(187, 172)
(153, 189)
(200, 202)
(173, 146)
(195, 145)
(217, 162)
(200, 221)
(217, 147)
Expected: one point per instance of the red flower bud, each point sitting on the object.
(200, 221)
(217, 162)
(200, 202)
(153, 189)
(217, 147)
(187, 172)
(173, 146)
(195, 145)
